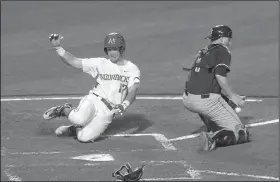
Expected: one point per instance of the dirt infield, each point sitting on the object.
(141, 136)
(156, 131)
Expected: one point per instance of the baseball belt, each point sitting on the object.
(203, 96)
(104, 101)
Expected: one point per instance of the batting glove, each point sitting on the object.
(55, 40)
(123, 106)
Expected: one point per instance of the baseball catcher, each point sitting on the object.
(117, 81)
(203, 92)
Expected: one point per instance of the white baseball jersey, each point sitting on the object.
(112, 80)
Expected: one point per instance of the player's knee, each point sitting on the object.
(76, 118)
(86, 136)
(81, 115)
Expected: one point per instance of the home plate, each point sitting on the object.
(95, 157)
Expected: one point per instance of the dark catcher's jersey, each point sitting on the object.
(202, 80)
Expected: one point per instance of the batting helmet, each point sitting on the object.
(220, 31)
(114, 40)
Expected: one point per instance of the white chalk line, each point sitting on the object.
(151, 163)
(11, 176)
(193, 173)
(169, 179)
(80, 97)
(94, 151)
(249, 125)
(159, 137)
(239, 175)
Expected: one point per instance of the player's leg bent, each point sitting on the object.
(94, 129)
(69, 130)
(84, 112)
(98, 124)
(194, 104)
(79, 116)
(233, 130)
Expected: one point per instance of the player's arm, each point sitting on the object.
(132, 92)
(68, 58)
(65, 56)
(221, 70)
(223, 82)
(133, 87)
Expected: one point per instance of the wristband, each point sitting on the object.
(60, 51)
(125, 104)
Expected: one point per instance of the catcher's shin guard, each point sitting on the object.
(125, 173)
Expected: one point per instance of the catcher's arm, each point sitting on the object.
(65, 56)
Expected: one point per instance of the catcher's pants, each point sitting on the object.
(215, 110)
(93, 115)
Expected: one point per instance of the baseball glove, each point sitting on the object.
(125, 173)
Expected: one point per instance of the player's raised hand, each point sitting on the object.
(55, 39)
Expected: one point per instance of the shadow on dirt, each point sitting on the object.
(132, 121)
(245, 120)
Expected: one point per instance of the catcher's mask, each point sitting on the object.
(125, 173)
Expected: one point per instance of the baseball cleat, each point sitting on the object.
(56, 111)
(209, 144)
(244, 135)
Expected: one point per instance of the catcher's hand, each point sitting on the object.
(55, 39)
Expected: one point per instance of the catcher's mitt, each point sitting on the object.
(125, 173)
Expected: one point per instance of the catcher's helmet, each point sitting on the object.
(220, 31)
(114, 40)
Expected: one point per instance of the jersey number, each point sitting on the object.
(197, 69)
(122, 87)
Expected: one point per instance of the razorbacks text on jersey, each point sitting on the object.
(112, 80)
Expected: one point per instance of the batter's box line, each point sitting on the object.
(159, 137)
(68, 152)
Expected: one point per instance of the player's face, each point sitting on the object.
(227, 41)
(114, 54)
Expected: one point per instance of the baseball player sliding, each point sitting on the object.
(117, 80)
(207, 78)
